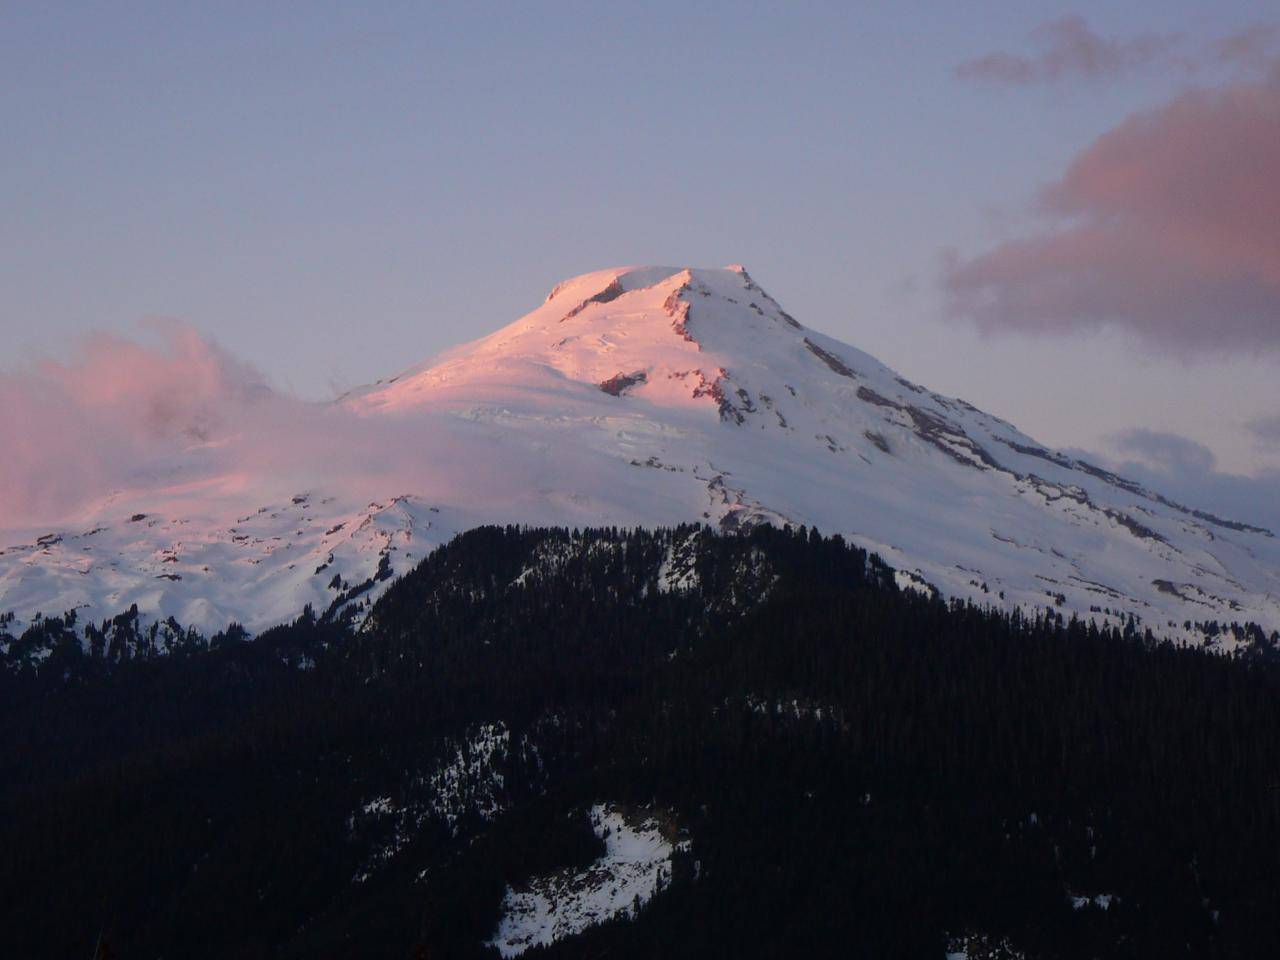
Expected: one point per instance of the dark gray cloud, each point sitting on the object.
(1251, 48)
(1168, 452)
(1187, 471)
(1266, 431)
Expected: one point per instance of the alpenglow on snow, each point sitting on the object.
(653, 396)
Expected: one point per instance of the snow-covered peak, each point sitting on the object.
(659, 395)
(664, 335)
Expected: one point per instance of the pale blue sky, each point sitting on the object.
(334, 193)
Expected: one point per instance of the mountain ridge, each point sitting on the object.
(808, 734)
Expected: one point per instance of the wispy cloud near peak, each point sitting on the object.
(1068, 47)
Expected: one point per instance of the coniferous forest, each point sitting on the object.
(858, 770)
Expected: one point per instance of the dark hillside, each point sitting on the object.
(859, 771)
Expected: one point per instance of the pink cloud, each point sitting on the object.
(178, 426)
(177, 419)
(1165, 227)
(86, 424)
(1069, 47)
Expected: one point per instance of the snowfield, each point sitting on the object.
(653, 396)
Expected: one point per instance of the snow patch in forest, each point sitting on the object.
(471, 780)
(636, 866)
(678, 573)
(910, 580)
(467, 783)
(1100, 900)
(981, 946)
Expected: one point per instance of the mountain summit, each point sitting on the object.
(658, 395)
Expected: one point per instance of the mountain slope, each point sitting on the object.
(834, 768)
(658, 395)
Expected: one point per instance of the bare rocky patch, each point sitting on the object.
(677, 308)
(830, 359)
(878, 440)
(714, 388)
(610, 293)
(620, 383)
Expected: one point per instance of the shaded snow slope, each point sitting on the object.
(656, 395)
(260, 570)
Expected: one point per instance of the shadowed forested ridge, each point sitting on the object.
(859, 770)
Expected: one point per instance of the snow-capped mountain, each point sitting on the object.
(653, 396)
